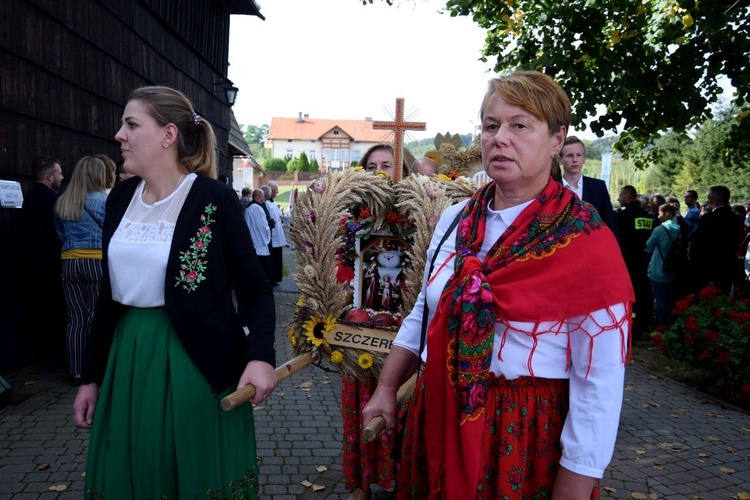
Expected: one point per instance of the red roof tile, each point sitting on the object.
(313, 129)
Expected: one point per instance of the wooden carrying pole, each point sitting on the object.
(247, 393)
(377, 424)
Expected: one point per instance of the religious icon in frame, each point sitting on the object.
(379, 271)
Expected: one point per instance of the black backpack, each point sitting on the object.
(676, 260)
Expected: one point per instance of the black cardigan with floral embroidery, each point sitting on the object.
(198, 299)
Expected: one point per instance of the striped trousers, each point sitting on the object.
(81, 279)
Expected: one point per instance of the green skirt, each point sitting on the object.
(159, 431)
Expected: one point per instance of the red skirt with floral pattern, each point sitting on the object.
(520, 445)
(364, 463)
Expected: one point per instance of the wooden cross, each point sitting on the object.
(399, 127)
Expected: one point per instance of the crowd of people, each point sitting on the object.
(708, 245)
(147, 258)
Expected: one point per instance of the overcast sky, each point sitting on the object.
(339, 59)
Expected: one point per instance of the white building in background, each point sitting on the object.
(334, 143)
(246, 172)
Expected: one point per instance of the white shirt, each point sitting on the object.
(590, 429)
(255, 218)
(578, 190)
(139, 248)
(277, 235)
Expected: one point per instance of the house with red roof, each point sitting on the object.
(334, 143)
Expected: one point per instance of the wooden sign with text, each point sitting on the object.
(368, 339)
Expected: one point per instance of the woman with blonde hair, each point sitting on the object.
(79, 217)
(520, 392)
(168, 343)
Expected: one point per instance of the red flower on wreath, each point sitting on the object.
(393, 217)
(344, 273)
(364, 212)
(705, 354)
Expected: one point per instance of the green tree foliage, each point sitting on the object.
(275, 165)
(651, 66)
(292, 165)
(707, 165)
(255, 136)
(314, 166)
(303, 162)
(661, 177)
(420, 147)
(697, 162)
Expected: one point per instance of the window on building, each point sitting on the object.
(356, 155)
(289, 153)
(312, 154)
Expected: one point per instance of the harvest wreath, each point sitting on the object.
(360, 243)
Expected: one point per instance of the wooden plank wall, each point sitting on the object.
(69, 65)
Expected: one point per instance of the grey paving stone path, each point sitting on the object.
(673, 443)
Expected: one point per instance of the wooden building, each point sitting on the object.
(69, 65)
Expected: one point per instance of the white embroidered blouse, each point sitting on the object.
(139, 248)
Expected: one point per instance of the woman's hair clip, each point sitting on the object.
(197, 119)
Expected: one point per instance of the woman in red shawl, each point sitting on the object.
(529, 316)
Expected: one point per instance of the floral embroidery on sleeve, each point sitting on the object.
(192, 264)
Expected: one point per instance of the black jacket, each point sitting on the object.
(714, 246)
(634, 227)
(595, 192)
(40, 244)
(205, 319)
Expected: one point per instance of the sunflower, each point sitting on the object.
(383, 176)
(365, 361)
(292, 337)
(337, 357)
(316, 328)
(301, 302)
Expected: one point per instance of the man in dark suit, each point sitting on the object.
(713, 250)
(594, 191)
(45, 310)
